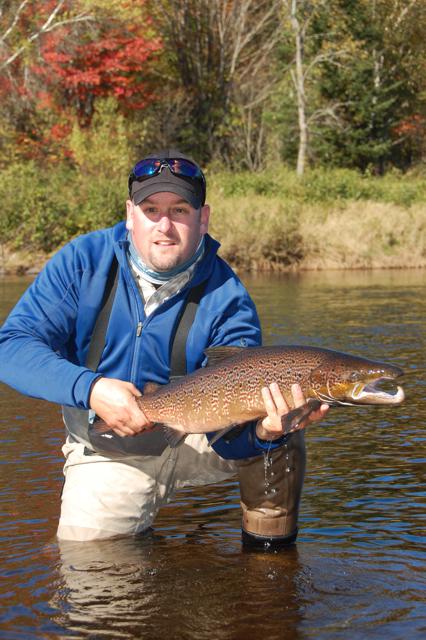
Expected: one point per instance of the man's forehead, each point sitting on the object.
(165, 197)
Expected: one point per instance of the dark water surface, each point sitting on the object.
(357, 570)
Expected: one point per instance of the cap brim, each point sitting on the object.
(142, 190)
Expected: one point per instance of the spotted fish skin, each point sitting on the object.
(229, 391)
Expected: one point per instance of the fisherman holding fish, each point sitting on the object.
(118, 312)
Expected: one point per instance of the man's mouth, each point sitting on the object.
(164, 243)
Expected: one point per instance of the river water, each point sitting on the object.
(357, 570)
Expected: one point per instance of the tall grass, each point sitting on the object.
(330, 219)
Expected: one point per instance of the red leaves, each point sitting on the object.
(411, 127)
(110, 65)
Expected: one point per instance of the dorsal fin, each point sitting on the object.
(151, 387)
(218, 354)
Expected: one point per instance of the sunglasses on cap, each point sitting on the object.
(180, 167)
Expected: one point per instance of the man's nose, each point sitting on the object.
(164, 223)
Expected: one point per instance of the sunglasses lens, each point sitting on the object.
(184, 168)
(146, 168)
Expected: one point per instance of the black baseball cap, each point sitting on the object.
(168, 170)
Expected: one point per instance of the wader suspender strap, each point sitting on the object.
(184, 323)
(97, 341)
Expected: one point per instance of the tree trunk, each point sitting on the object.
(299, 83)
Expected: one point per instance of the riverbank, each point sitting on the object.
(269, 221)
(367, 235)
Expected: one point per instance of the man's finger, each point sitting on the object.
(298, 397)
(320, 414)
(279, 400)
(270, 407)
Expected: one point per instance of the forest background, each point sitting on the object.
(308, 115)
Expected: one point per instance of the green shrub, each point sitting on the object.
(270, 220)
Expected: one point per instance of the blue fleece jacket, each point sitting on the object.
(45, 339)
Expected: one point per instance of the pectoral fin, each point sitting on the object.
(174, 437)
(221, 433)
(296, 419)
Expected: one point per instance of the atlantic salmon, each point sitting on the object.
(227, 392)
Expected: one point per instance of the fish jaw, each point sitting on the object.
(365, 391)
(353, 381)
(370, 394)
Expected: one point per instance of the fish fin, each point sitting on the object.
(173, 437)
(218, 354)
(221, 433)
(151, 387)
(99, 426)
(293, 420)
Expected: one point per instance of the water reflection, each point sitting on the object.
(131, 586)
(356, 571)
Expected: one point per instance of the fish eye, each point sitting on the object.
(354, 376)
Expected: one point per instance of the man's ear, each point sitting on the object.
(129, 214)
(204, 219)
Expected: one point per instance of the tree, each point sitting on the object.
(217, 70)
(314, 28)
(381, 92)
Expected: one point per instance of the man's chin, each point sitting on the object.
(165, 265)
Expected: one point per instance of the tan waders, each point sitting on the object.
(270, 488)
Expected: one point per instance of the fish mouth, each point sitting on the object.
(373, 393)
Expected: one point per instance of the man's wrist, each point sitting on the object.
(266, 444)
(91, 388)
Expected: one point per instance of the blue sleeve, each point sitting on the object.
(32, 337)
(245, 445)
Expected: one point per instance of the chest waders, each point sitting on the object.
(270, 485)
(271, 488)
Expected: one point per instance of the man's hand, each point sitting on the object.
(114, 401)
(270, 428)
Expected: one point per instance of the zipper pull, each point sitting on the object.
(139, 329)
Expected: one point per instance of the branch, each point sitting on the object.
(325, 57)
(14, 21)
(45, 28)
(329, 111)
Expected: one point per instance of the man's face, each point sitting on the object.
(166, 230)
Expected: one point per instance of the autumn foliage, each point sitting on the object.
(89, 55)
(111, 65)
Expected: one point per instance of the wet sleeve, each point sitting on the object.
(244, 443)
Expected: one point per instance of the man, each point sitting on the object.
(102, 319)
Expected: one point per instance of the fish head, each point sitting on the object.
(344, 379)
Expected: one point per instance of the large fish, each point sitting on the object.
(227, 392)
